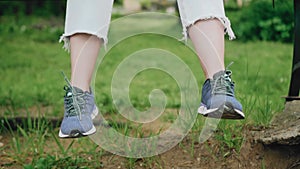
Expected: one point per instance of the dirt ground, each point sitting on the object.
(282, 151)
(208, 155)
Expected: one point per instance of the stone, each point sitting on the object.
(285, 127)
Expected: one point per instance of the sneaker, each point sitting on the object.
(218, 100)
(91, 106)
(80, 110)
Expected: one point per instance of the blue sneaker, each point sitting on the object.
(80, 110)
(218, 100)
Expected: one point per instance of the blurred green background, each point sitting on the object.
(31, 57)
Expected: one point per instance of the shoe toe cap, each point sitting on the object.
(218, 100)
(73, 123)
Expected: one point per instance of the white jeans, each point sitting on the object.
(93, 16)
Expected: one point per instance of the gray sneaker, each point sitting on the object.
(218, 99)
(80, 110)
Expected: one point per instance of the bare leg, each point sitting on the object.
(208, 39)
(84, 52)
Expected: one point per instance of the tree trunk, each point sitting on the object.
(295, 80)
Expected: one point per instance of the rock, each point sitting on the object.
(285, 127)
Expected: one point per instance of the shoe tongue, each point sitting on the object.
(218, 74)
(69, 93)
(226, 74)
(77, 90)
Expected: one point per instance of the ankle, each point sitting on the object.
(210, 75)
(84, 88)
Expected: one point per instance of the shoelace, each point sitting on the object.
(223, 84)
(74, 109)
(74, 102)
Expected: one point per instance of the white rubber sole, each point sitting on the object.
(225, 111)
(77, 133)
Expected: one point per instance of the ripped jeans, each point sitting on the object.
(93, 17)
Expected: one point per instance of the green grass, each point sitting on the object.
(31, 68)
(31, 61)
